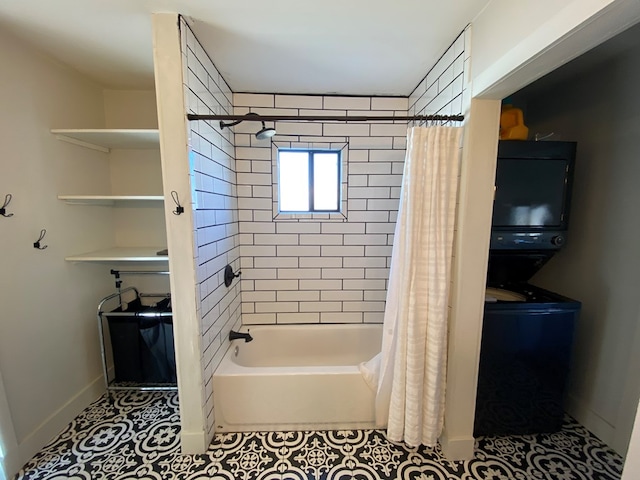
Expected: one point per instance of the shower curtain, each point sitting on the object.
(409, 373)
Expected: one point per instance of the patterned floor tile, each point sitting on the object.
(135, 435)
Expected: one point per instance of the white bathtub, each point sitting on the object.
(296, 377)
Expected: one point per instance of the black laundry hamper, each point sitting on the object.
(141, 341)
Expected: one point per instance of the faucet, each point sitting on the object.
(237, 336)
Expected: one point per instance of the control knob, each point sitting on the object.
(557, 240)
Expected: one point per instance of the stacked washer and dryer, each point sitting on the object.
(527, 331)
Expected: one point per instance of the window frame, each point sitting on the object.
(311, 153)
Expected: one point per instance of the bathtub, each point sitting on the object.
(296, 377)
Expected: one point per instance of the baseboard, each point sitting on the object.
(460, 448)
(52, 426)
(193, 442)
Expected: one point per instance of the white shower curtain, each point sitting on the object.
(409, 373)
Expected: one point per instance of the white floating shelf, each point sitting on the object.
(106, 139)
(121, 254)
(108, 199)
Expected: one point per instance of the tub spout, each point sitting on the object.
(238, 336)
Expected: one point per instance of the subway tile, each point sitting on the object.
(298, 128)
(366, 143)
(380, 228)
(341, 295)
(375, 295)
(324, 306)
(254, 179)
(358, 156)
(258, 251)
(323, 239)
(332, 284)
(258, 318)
(358, 181)
(276, 262)
(388, 130)
(343, 228)
(364, 216)
(276, 284)
(342, 251)
(347, 103)
(370, 262)
(320, 262)
(261, 166)
(374, 317)
(298, 227)
(387, 156)
(329, 273)
(276, 239)
(253, 100)
(369, 192)
(298, 251)
(363, 306)
(355, 204)
(376, 273)
(379, 168)
(341, 317)
(346, 129)
(389, 103)
(259, 273)
(377, 251)
(298, 273)
(298, 101)
(298, 296)
(248, 307)
(276, 307)
(362, 284)
(253, 153)
(382, 204)
(260, 296)
(292, 318)
(366, 239)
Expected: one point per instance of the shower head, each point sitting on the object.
(262, 134)
(265, 132)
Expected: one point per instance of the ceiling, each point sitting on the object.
(353, 47)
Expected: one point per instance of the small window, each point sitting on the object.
(309, 180)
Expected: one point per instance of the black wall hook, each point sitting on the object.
(229, 275)
(3, 209)
(179, 208)
(36, 244)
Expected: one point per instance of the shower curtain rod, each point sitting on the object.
(327, 118)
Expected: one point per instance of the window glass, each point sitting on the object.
(294, 181)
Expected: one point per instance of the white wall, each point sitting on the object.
(515, 43)
(599, 266)
(49, 352)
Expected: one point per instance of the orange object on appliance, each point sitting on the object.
(512, 125)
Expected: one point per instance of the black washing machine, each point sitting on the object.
(525, 355)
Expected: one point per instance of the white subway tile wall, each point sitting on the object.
(443, 90)
(216, 235)
(316, 268)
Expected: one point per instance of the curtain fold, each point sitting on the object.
(410, 372)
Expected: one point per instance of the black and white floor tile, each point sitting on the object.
(136, 436)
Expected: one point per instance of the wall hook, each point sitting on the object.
(179, 208)
(3, 209)
(36, 244)
(229, 275)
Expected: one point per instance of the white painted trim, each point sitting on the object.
(457, 448)
(471, 252)
(52, 426)
(176, 175)
(193, 442)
